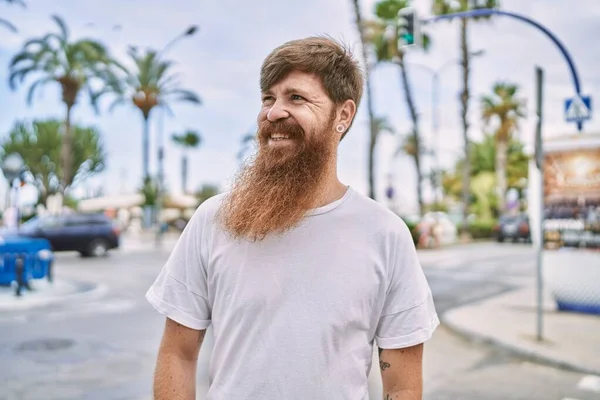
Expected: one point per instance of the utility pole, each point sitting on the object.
(436, 173)
(539, 160)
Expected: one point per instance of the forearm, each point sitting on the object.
(406, 394)
(174, 378)
(402, 373)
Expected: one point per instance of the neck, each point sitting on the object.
(333, 189)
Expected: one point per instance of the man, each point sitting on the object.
(296, 272)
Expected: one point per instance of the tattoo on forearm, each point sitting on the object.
(382, 364)
(201, 337)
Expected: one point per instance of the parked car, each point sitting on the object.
(513, 227)
(92, 235)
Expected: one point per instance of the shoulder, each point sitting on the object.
(377, 219)
(206, 211)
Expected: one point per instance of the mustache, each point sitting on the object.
(267, 128)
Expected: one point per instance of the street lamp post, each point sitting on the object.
(435, 116)
(161, 146)
(13, 167)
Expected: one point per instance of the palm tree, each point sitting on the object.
(7, 23)
(483, 161)
(39, 143)
(382, 34)
(149, 84)
(444, 7)
(373, 133)
(74, 65)
(189, 140)
(504, 107)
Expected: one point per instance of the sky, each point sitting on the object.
(221, 62)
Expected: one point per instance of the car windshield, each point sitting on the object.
(30, 225)
(35, 223)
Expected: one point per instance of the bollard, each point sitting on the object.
(20, 275)
(50, 277)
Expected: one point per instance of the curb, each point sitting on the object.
(458, 243)
(528, 355)
(84, 291)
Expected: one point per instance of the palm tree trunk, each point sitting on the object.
(415, 131)
(66, 152)
(43, 186)
(184, 173)
(501, 160)
(464, 98)
(372, 128)
(146, 148)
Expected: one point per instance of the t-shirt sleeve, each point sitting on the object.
(409, 316)
(180, 291)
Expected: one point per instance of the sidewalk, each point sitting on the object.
(45, 293)
(571, 340)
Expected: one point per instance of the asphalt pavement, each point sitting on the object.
(104, 347)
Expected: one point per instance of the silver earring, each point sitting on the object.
(340, 128)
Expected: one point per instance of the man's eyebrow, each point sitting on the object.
(287, 91)
(296, 90)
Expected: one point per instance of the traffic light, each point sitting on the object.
(409, 27)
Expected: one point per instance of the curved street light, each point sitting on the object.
(12, 167)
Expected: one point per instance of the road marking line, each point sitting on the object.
(569, 398)
(590, 383)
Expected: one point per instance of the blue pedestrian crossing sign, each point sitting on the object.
(578, 109)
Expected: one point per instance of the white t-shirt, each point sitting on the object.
(295, 316)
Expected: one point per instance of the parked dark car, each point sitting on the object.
(513, 227)
(92, 235)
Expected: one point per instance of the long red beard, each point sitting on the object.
(273, 192)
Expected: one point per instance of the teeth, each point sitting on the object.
(278, 136)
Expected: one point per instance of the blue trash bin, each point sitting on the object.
(37, 259)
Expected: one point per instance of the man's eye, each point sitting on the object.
(267, 99)
(297, 97)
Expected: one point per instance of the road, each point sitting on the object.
(105, 348)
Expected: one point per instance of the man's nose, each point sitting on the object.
(277, 112)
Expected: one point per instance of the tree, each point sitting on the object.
(373, 132)
(483, 162)
(7, 23)
(387, 49)
(39, 143)
(188, 140)
(74, 65)
(150, 83)
(149, 189)
(504, 108)
(207, 191)
(445, 7)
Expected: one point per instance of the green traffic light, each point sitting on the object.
(408, 38)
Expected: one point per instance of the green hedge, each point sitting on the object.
(482, 229)
(415, 234)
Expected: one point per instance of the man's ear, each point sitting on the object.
(346, 113)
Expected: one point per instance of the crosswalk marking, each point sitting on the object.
(590, 383)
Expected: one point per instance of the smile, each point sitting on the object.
(277, 136)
